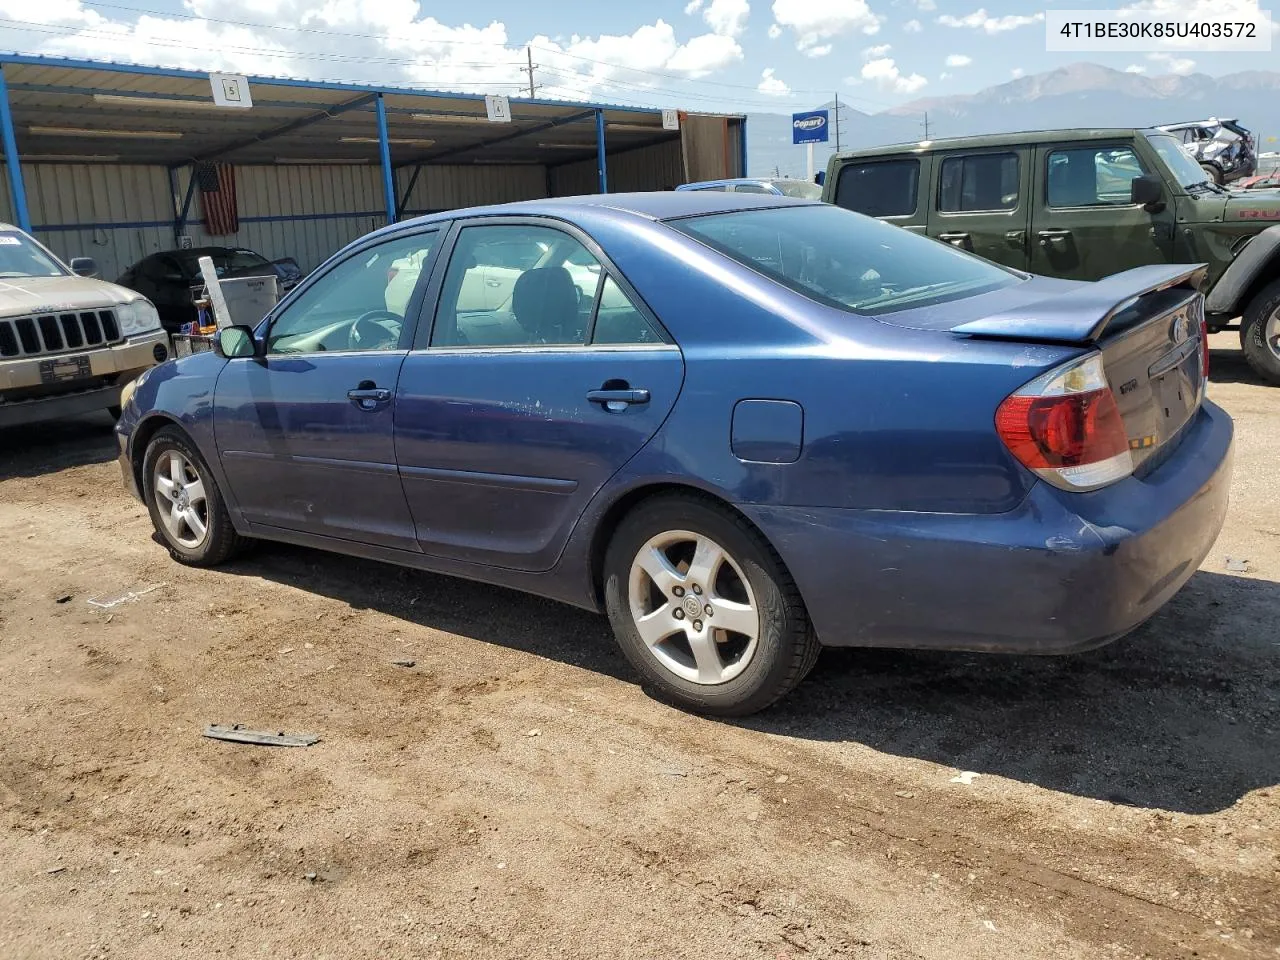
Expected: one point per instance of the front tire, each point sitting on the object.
(185, 503)
(1260, 333)
(1212, 172)
(703, 608)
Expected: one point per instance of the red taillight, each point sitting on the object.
(1067, 428)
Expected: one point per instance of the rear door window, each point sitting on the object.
(983, 182)
(879, 188)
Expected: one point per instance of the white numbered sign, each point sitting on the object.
(670, 119)
(498, 109)
(230, 90)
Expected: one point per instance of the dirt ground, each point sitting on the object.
(515, 794)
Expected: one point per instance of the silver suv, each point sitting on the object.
(68, 342)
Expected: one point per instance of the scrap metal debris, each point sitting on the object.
(128, 597)
(404, 663)
(64, 599)
(238, 734)
(1236, 565)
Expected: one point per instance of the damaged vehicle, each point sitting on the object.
(1224, 149)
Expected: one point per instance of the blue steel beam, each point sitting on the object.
(110, 67)
(602, 160)
(384, 150)
(12, 164)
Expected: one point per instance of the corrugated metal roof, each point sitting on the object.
(139, 114)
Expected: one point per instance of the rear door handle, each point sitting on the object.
(1053, 236)
(618, 400)
(958, 239)
(368, 395)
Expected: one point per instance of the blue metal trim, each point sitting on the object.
(742, 146)
(112, 67)
(384, 151)
(139, 224)
(173, 203)
(12, 164)
(602, 161)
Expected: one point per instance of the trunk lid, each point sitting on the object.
(1148, 325)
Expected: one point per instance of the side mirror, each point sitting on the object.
(1147, 192)
(84, 267)
(820, 178)
(233, 342)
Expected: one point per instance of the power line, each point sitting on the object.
(476, 43)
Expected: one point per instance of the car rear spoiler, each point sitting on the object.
(1081, 315)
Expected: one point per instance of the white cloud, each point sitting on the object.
(1018, 73)
(775, 31)
(1179, 65)
(816, 21)
(886, 75)
(821, 51)
(959, 60)
(926, 5)
(728, 18)
(944, 75)
(875, 53)
(912, 26)
(1135, 68)
(981, 20)
(692, 7)
(386, 42)
(771, 85)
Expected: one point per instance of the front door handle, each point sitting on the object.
(368, 395)
(618, 400)
(1016, 238)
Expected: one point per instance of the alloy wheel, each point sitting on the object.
(181, 499)
(694, 607)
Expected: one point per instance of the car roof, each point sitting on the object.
(654, 205)
(1023, 138)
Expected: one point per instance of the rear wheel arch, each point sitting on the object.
(632, 499)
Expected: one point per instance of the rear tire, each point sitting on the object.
(1212, 172)
(725, 632)
(185, 503)
(1260, 333)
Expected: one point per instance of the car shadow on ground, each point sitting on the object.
(1230, 366)
(1182, 715)
(32, 450)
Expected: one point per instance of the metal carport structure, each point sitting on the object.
(102, 158)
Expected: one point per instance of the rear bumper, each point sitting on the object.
(1062, 573)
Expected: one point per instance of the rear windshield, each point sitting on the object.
(846, 260)
(801, 189)
(20, 257)
(225, 260)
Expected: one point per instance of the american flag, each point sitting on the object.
(217, 182)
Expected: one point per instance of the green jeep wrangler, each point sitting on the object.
(1081, 205)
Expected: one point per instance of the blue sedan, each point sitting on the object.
(743, 426)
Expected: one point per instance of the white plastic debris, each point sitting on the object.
(966, 777)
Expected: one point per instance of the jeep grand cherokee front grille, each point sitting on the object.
(57, 333)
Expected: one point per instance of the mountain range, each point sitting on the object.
(1079, 95)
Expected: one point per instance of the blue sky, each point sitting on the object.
(735, 55)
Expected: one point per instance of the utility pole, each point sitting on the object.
(533, 87)
(926, 125)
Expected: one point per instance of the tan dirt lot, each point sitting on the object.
(517, 795)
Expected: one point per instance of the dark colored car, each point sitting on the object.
(772, 425)
(169, 279)
(1081, 205)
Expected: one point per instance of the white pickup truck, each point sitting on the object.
(68, 342)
